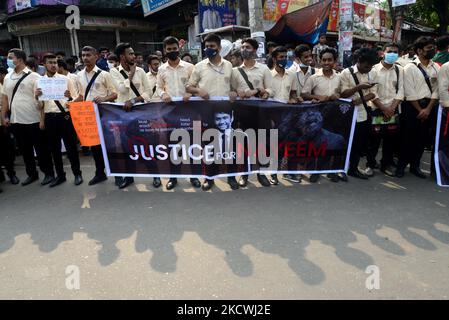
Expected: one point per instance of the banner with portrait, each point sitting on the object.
(219, 138)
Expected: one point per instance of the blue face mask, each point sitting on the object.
(10, 63)
(302, 65)
(391, 57)
(210, 53)
(282, 63)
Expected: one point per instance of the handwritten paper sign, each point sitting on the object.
(85, 123)
(52, 88)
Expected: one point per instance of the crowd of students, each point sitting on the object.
(396, 99)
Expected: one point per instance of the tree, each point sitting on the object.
(434, 13)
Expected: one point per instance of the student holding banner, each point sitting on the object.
(260, 82)
(172, 79)
(132, 87)
(213, 77)
(443, 85)
(285, 88)
(97, 86)
(20, 111)
(419, 110)
(55, 119)
(324, 86)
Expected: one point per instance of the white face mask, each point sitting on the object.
(111, 65)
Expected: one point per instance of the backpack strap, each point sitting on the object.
(362, 97)
(16, 87)
(91, 82)
(426, 76)
(133, 87)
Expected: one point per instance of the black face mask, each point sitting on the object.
(173, 55)
(429, 54)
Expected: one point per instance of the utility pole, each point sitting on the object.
(255, 10)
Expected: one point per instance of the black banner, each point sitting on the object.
(218, 138)
(442, 148)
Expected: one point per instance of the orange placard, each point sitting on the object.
(85, 122)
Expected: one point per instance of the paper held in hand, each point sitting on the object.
(52, 88)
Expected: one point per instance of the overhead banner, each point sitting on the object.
(217, 13)
(217, 138)
(442, 148)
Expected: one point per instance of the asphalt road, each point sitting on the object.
(285, 242)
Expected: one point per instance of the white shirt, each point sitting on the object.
(24, 109)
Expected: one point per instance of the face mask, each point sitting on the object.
(429, 54)
(302, 65)
(10, 63)
(210, 53)
(110, 65)
(173, 55)
(391, 57)
(282, 63)
(246, 54)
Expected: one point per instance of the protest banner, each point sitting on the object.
(52, 88)
(85, 123)
(442, 148)
(217, 138)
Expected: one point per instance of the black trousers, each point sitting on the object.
(57, 128)
(359, 144)
(97, 154)
(29, 136)
(388, 141)
(7, 152)
(414, 136)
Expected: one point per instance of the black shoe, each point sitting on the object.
(78, 180)
(47, 180)
(333, 177)
(387, 170)
(314, 178)
(263, 180)
(400, 172)
(126, 182)
(195, 183)
(295, 178)
(13, 179)
(417, 172)
(243, 182)
(171, 184)
(274, 180)
(157, 182)
(357, 174)
(118, 181)
(30, 180)
(58, 181)
(207, 185)
(233, 183)
(343, 177)
(2, 176)
(97, 179)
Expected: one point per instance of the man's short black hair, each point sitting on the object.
(421, 42)
(271, 44)
(31, 63)
(60, 53)
(213, 38)
(70, 61)
(332, 51)
(367, 55)
(19, 54)
(278, 50)
(170, 40)
(103, 49)
(89, 49)
(442, 43)
(390, 45)
(323, 34)
(121, 48)
(62, 64)
(252, 42)
(48, 56)
(138, 54)
(186, 54)
(152, 57)
(113, 57)
(236, 53)
(299, 50)
(3, 70)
